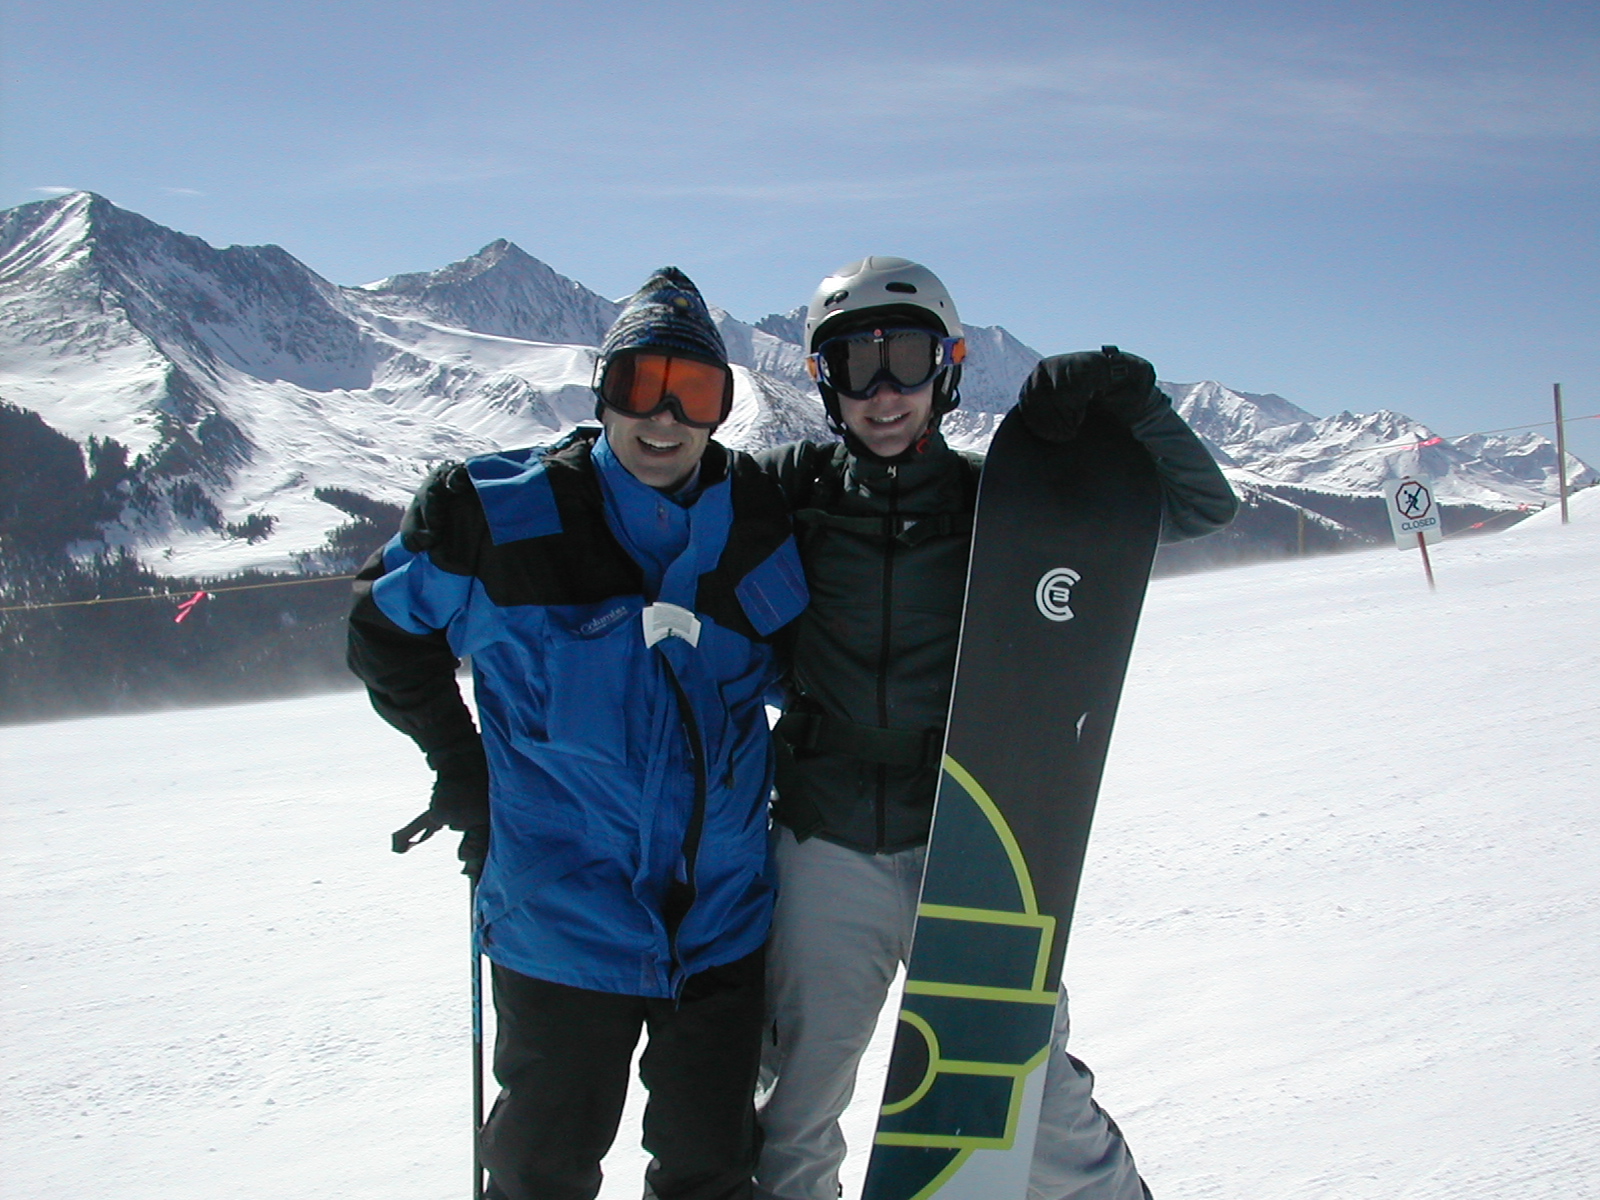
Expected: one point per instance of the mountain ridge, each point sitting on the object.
(242, 383)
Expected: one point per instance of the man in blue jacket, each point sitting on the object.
(617, 594)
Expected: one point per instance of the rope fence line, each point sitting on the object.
(1520, 511)
(248, 587)
(1439, 439)
(1535, 425)
(238, 587)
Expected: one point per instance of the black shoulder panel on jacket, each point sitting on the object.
(582, 564)
(807, 473)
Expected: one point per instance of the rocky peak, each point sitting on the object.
(1225, 416)
(786, 327)
(501, 290)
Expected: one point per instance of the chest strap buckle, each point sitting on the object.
(670, 620)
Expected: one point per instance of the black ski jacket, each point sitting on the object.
(873, 658)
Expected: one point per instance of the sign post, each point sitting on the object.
(1414, 517)
(1561, 454)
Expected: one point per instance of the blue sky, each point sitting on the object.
(1356, 206)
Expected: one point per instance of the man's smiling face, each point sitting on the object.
(889, 420)
(657, 451)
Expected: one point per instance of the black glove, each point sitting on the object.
(460, 800)
(460, 786)
(472, 852)
(1062, 388)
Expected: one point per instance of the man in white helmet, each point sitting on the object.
(884, 521)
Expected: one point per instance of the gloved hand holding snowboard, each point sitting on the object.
(1064, 387)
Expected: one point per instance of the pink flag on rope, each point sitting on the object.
(189, 605)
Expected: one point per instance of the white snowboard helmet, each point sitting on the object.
(883, 287)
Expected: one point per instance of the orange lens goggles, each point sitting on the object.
(642, 384)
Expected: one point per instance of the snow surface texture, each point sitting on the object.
(243, 373)
(1336, 939)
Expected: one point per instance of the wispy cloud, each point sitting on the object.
(1362, 107)
(181, 191)
(445, 168)
(53, 190)
(951, 134)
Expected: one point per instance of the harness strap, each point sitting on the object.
(828, 734)
(945, 524)
(866, 526)
(907, 529)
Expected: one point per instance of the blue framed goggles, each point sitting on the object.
(855, 364)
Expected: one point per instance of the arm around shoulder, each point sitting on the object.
(794, 467)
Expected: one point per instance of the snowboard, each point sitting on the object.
(1062, 544)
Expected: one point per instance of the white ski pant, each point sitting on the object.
(843, 924)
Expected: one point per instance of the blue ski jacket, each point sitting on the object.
(621, 656)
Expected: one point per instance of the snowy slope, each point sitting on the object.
(1336, 939)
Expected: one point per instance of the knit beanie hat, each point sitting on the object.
(667, 313)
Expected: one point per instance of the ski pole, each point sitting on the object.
(477, 1040)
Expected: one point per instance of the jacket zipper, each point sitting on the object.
(881, 799)
(691, 834)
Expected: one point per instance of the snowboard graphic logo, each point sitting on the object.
(977, 1012)
(1053, 595)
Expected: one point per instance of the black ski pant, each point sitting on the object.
(562, 1057)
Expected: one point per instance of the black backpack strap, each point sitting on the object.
(973, 465)
(821, 470)
(819, 732)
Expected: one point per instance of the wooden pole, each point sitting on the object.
(1427, 566)
(1561, 454)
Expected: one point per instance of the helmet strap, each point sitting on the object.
(830, 405)
(946, 392)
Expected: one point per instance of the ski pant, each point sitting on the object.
(843, 924)
(562, 1057)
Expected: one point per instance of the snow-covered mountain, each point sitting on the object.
(1268, 440)
(1264, 441)
(502, 291)
(261, 405)
(1311, 485)
(243, 384)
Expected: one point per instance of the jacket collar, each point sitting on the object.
(868, 472)
(673, 538)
